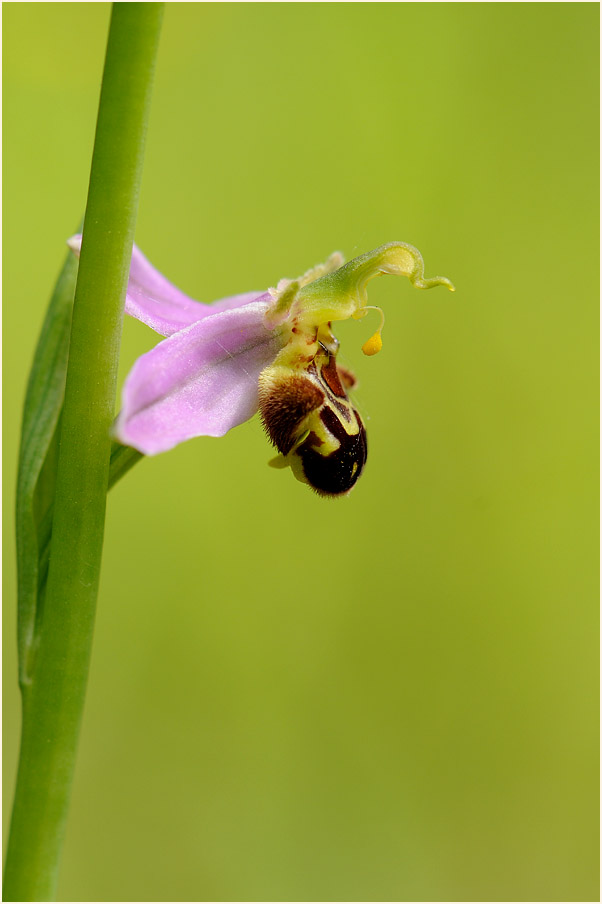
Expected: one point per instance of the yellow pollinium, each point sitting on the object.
(373, 345)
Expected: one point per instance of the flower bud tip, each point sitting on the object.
(75, 243)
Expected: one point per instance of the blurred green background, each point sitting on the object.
(392, 696)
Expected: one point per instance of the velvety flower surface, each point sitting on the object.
(272, 350)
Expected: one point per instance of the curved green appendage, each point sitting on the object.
(395, 259)
(342, 294)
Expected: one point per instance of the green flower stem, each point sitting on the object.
(122, 459)
(53, 699)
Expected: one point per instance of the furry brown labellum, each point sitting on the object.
(312, 423)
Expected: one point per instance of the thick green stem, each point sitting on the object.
(123, 458)
(53, 699)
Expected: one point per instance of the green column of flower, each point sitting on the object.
(53, 698)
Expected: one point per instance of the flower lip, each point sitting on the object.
(312, 423)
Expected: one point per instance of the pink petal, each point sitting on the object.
(199, 382)
(156, 302)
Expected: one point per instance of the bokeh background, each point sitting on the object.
(392, 696)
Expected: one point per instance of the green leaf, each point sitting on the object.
(122, 459)
(38, 454)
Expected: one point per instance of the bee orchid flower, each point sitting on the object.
(272, 351)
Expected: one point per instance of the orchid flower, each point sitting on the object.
(271, 351)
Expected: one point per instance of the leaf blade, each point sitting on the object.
(39, 434)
